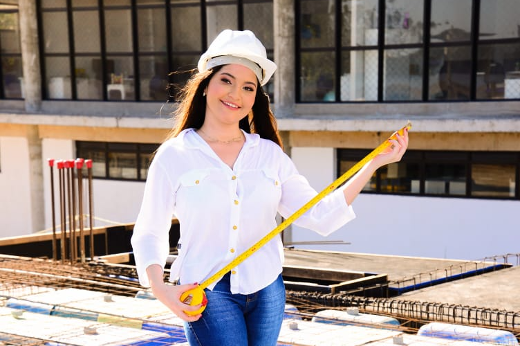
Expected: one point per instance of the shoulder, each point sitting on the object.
(263, 144)
(177, 147)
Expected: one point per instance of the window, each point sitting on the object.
(121, 161)
(11, 74)
(443, 173)
(407, 50)
(123, 50)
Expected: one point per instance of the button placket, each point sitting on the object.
(234, 217)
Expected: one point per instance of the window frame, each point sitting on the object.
(425, 157)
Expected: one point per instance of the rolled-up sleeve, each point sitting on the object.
(150, 240)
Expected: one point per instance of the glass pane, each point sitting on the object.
(400, 178)
(493, 180)
(153, 78)
(57, 70)
(118, 31)
(450, 20)
(54, 4)
(122, 165)
(441, 179)
(98, 162)
(317, 76)
(108, 3)
(152, 30)
(84, 3)
(86, 31)
(88, 83)
(183, 66)
(499, 71)
(12, 77)
(145, 164)
(499, 19)
(403, 74)
(150, 2)
(345, 165)
(404, 20)
(9, 32)
(450, 73)
(55, 32)
(219, 18)
(186, 31)
(259, 19)
(317, 24)
(359, 23)
(359, 76)
(121, 82)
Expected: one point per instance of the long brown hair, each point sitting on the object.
(191, 110)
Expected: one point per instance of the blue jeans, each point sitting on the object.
(239, 320)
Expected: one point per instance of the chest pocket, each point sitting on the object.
(272, 178)
(193, 178)
(271, 187)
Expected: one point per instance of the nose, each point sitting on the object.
(234, 92)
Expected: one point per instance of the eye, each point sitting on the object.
(248, 88)
(225, 80)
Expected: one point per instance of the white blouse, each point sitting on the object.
(222, 212)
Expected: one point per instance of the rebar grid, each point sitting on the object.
(23, 276)
(411, 314)
(37, 274)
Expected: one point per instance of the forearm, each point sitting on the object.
(356, 184)
(155, 275)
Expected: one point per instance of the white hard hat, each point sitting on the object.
(238, 47)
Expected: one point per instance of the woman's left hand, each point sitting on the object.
(395, 151)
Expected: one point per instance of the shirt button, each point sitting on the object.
(232, 250)
(235, 227)
(234, 177)
(236, 202)
(196, 181)
(276, 183)
(233, 272)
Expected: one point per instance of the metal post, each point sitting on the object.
(79, 167)
(61, 166)
(90, 207)
(54, 251)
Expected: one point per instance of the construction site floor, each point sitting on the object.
(495, 290)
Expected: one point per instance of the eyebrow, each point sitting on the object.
(230, 75)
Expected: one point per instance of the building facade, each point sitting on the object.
(97, 79)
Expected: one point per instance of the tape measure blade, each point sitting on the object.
(343, 178)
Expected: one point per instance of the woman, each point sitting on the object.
(223, 174)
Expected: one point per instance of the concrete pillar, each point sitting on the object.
(30, 55)
(284, 57)
(34, 144)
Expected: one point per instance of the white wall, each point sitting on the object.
(455, 228)
(116, 202)
(15, 213)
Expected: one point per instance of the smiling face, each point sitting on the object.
(230, 94)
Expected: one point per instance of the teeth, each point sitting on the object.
(229, 104)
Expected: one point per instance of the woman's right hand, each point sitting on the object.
(170, 296)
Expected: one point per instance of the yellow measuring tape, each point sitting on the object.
(196, 296)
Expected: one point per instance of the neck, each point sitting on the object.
(224, 137)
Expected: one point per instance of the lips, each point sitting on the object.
(230, 104)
